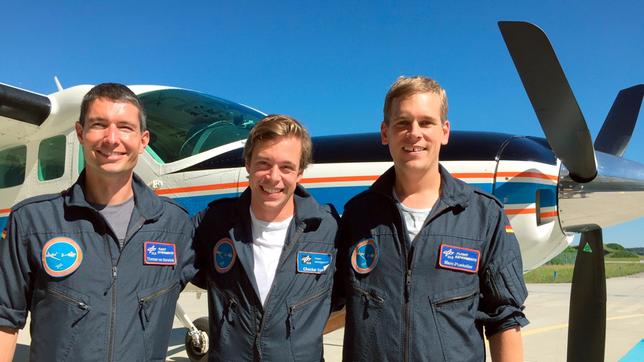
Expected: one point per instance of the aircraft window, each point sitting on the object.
(12, 166)
(51, 158)
(183, 123)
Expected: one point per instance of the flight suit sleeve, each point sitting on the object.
(201, 252)
(502, 286)
(15, 272)
(342, 261)
(188, 269)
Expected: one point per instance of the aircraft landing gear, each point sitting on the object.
(197, 341)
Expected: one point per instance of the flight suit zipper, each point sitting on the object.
(144, 300)
(69, 300)
(283, 257)
(130, 233)
(293, 308)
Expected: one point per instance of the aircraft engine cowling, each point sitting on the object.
(616, 195)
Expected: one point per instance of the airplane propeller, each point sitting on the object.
(582, 183)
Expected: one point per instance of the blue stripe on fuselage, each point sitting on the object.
(508, 192)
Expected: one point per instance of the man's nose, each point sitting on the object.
(273, 172)
(414, 130)
(112, 134)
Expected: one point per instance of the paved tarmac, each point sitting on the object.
(544, 339)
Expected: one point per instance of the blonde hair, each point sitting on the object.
(405, 87)
(279, 125)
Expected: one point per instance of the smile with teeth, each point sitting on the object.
(271, 190)
(413, 148)
(109, 154)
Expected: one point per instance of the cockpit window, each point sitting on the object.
(183, 123)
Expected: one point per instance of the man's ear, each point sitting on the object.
(79, 131)
(145, 139)
(383, 133)
(445, 128)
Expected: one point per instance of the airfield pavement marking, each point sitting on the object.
(555, 327)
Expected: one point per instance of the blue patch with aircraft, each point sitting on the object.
(158, 253)
(364, 256)
(224, 255)
(313, 263)
(457, 258)
(61, 256)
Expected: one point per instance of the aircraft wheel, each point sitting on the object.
(195, 353)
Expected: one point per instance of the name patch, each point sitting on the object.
(158, 253)
(365, 256)
(312, 263)
(457, 258)
(224, 255)
(61, 256)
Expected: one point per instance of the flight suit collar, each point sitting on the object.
(307, 218)
(147, 204)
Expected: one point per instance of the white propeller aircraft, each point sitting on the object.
(551, 187)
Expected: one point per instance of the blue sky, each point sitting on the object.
(330, 63)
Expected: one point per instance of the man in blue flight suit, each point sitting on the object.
(427, 264)
(267, 257)
(100, 265)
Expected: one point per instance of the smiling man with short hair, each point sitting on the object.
(426, 263)
(267, 257)
(100, 265)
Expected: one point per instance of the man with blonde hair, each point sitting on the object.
(267, 257)
(426, 263)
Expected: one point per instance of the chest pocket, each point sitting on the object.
(455, 313)
(156, 311)
(59, 316)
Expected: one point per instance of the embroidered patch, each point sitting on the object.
(312, 263)
(4, 233)
(365, 256)
(457, 258)
(508, 229)
(224, 254)
(158, 253)
(61, 256)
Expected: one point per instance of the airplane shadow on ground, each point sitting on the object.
(177, 337)
(177, 340)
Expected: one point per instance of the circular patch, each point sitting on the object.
(225, 255)
(365, 256)
(61, 256)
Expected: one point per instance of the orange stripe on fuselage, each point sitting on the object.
(2, 211)
(177, 190)
(527, 174)
(310, 180)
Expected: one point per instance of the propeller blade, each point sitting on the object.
(551, 97)
(21, 105)
(587, 318)
(620, 122)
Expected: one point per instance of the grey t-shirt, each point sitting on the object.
(118, 217)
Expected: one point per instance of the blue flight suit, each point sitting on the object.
(89, 300)
(430, 299)
(288, 327)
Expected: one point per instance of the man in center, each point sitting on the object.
(267, 257)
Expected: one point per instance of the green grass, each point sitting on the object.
(546, 273)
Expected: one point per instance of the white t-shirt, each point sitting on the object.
(414, 218)
(268, 242)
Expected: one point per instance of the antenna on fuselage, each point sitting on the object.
(58, 85)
